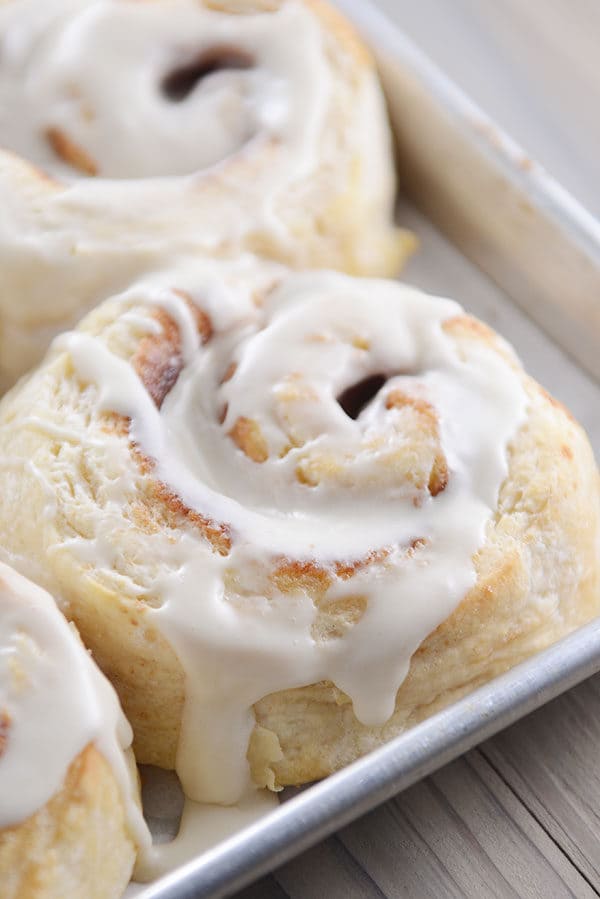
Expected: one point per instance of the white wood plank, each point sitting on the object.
(461, 834)
(550, 760)
(266, 888)
(328, 870)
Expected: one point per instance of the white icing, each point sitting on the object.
(321, 333)
(202, 827)
(55, 702)
(94, 71)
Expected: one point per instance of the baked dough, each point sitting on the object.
(138, 131)
(328, 498)
(70, 823)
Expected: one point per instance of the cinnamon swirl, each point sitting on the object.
(135, 130)
(293, 514)
(69, 816)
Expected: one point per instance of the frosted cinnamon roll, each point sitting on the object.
(70, 822)
(135, 130)
(293, 514)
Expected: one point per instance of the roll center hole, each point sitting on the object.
(354, 398)
(180, 83)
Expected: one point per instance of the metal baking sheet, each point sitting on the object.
(501, 236)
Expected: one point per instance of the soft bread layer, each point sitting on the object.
(77, 845)
(319, 194)
(537, 573)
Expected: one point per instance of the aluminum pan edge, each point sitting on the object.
(494, 202)
(325, 807)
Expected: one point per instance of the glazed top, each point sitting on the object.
(337, 429)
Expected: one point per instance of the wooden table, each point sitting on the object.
(520, 815)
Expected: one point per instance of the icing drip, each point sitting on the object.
(388, 507)
(202, 827)
(47, 676)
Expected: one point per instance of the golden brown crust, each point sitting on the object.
(337, 24)
(70, 152)
(247, 435)
(243, 7)
(76, 846)
(4, 729)
(428, 421)
(158, 359)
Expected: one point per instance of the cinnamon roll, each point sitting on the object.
(293, 514)
(70, 821)
(134, 131)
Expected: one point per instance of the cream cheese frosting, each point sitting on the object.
(53, 703)
(237, 636)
